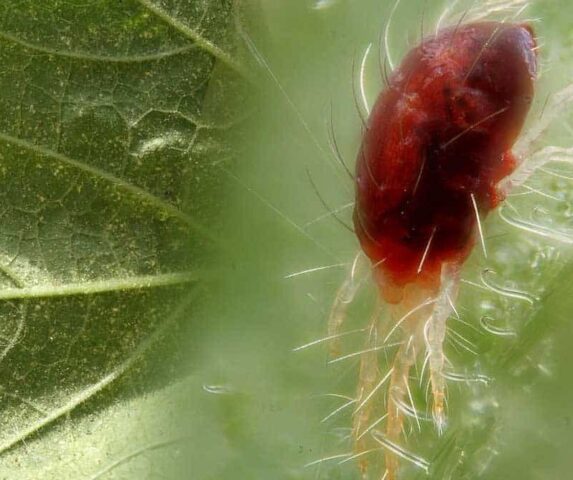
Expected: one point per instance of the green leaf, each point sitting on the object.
(113, 115)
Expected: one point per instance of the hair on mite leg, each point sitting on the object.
(412, 412)
(372, 426)
(338, 410)
(424, 366)
(327, 459)
(328, 338)
(458, 319)
(335, 395)
(377, 348)
(401, 452)
(454, 309)
(416, 374)
(412, 311)
(462, 342)
(450, 341)
(314, 269)
(358, 455)
(373, 392)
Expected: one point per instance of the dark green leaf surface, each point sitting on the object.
(109, 129)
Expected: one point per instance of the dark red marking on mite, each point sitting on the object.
(441, 133)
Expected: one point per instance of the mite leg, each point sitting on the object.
(369, 384)
(403, 361)
(557, 104)
(344, 297)
(527, 147)
(535, 161)
(418, 307)
(435, 333)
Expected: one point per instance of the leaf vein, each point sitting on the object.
(136, 191)
(201, 41)
(100, 286)
(92, 390)
(96, 58)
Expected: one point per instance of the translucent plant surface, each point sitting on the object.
(274, 403)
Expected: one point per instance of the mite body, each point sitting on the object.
(438, 141)
(435, 148)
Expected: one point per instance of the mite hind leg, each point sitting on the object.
(410, 315)
(369, 383)
(434, 335)
(398, 392)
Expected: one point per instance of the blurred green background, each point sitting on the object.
(266, 422)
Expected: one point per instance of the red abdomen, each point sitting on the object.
(439, 140)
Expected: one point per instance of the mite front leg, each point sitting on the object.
(344, 296)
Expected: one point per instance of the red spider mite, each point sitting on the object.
(438, 140)
(437, 144)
